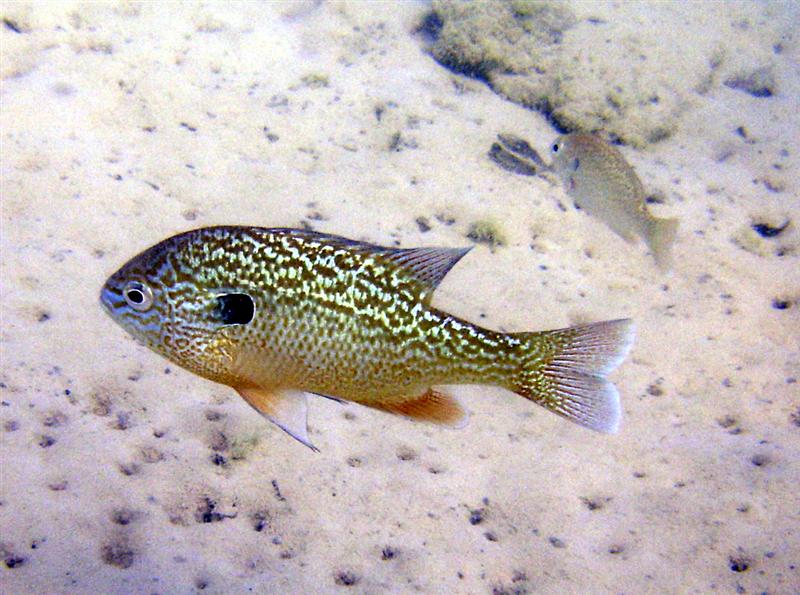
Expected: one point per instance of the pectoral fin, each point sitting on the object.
(287, 409)
(433, 406)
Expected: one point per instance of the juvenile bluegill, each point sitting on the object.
(280, 313)
(600, 180)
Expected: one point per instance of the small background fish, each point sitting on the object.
(280, 313)
(599, 179)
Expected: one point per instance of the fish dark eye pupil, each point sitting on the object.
(135, 296)
(235, 308)
(555, 148)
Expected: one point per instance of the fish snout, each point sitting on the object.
(109, 299)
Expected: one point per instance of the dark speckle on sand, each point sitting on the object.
(476, 516)
(123, 516)
(596, 503)
(765, 230)
(655, 390)
(201, 584)
(261, 520)
(14, 560)
(730, 423)
(399, 142)
(46, 441)
(123, 421)
(150, 454)
(276, 490)
(739, 563)
(129, 469)
(345, 578)
(794, 418)
(119, 554)
(207, 512)
(781, 304)
(54, 419)
(212, 415)
(406, 453)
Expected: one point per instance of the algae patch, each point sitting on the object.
(480, 38)
(487, 232)
(523, 51)
(242, 446)
(758, 83)
(588, 69)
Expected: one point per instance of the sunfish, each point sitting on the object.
(281, 313)
(599, 179)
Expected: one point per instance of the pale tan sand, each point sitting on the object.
(124, 124)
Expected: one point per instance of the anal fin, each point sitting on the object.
(287, 409)
(432, 406)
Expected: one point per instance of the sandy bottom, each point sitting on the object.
(124, 124)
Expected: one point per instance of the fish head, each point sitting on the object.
(564, 158)
(164, 299)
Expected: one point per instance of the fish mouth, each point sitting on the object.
(107, 299)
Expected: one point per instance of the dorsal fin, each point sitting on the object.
(287, 409)
(427, 265)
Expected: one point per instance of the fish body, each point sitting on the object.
(281, 313)
(599, 179)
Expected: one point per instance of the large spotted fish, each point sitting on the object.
(281, 313)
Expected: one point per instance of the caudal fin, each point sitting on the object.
(566, 371)
(660, 236)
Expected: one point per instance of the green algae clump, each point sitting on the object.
(242, 446)
(487, 232)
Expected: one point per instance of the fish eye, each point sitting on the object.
(138, 296)
(556, 148)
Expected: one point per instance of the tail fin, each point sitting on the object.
(566, 371)
(659, 237)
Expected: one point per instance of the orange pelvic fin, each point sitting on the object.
(433, 407)
(287, 409)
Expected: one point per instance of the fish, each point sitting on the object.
(281, 314)
(600, 181)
